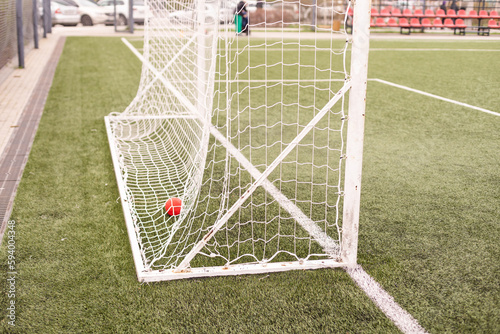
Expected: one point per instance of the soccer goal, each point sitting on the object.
(258, 134)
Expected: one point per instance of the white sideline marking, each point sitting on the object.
(437, 97)
(401, 318)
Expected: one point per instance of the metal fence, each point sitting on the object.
(8, 28)
(8, 38)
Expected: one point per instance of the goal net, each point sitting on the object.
(250, 130)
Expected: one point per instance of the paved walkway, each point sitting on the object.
(18, 87)
(23, 93)
(19, 84)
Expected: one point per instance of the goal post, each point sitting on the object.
(249, 131)
(355, 130)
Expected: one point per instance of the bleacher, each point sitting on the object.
(409, 21)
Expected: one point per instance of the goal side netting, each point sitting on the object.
(250, 130)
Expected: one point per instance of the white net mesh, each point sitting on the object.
(213, 112)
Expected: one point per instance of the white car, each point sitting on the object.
(122, 11)
(252, 5)
(63, 13)
(187, 16)
(226, 14)
(90, 12)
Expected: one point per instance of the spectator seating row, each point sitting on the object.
(408, 20)
(415, 23)
(457, 26)
(429, 13)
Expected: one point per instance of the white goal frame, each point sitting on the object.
(356, 87)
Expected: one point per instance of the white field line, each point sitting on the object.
(402, 319)
(437, 97)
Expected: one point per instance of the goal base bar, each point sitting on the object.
(237, 269)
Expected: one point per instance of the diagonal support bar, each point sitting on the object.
(263, 177)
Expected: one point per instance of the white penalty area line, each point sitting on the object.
(437, 97)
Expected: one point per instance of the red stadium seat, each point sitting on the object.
(415, 23)
(403, 23)
(374, 12)
(426, 23)
(396, 12)
(494, 15)
(407, 12)
(459, 23)
(372, 23)
(385, 12)
(483, 14)
(350, 12)
(448, 23)
(492, 24)
(380, 22)
(461, 13)
(429, 13)
(473, 14)
(418, 13)
(440, 13)
(392, 23)
(437, 23)
(451, 13)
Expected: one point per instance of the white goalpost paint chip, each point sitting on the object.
(436, 97)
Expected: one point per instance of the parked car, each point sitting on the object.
(252, 5)
(90, 12)
(186, 16)
(226, 13)
(122, 11)
(64, 13)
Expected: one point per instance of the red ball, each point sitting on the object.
(173, 206)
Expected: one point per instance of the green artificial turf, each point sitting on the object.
(428, 230)
(76, 272)
(431, 187)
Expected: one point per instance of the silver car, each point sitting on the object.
(122, 11)
(90, 12)
(64, 13)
